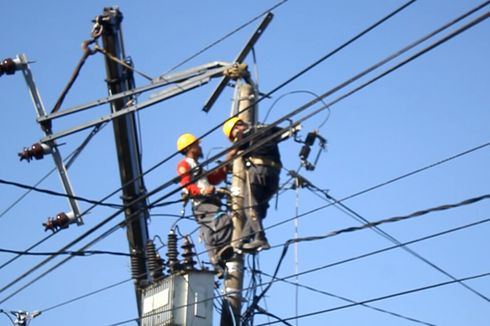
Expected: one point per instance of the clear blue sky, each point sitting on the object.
(431, 109)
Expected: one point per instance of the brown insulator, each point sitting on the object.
(7, 66)
(60, 221)
(36, 151)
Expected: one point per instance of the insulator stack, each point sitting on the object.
(188, 254)
(60, 221)
(155, 263)
(172, 253)
(137, 272)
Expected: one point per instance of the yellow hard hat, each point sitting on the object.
(185, 140)
(229, 125)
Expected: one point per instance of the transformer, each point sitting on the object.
(179, 300)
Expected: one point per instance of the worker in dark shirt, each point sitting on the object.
(263, 166)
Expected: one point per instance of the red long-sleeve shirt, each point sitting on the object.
(195, 188)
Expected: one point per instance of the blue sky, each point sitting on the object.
(432, 109)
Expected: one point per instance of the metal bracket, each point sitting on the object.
(239, 59)
(40, 111)
(184, 86)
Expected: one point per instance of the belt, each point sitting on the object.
(264, 161)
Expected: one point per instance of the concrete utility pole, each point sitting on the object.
(234, 280)
(120, 79)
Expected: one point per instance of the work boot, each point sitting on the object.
(260, 241)
(256, 245)
(224, 254)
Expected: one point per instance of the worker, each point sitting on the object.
(216, 225)
(263, 166)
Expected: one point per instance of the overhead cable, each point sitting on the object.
(30, 248)
(316, 290)
(380, 185)
(286, 245)
(59, 194)
(379, 251)
(180, 64)
(69, 253)
(362, 192)
(276, 279)
(471, 24)
(285, 279)
(385, 234)
(85, 295)
(69, 160)
(389, 296)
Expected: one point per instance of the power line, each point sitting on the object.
(286, 245)
(277, 88)
(379, 251)
(58, 194)
(389, 296)
(284, 279)
(69, 160)
(85, 295)
(69, 253)
(386, 235)
(418, 54)
(396, 179)
(276, 279)
(355, 302)
(180, 64)
(393, 180)
(30, 248)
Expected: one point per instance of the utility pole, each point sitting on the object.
(233, 284)
(120, 79)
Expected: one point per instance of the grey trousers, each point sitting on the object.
(216, 227)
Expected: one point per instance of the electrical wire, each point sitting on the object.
(85, 295)
(180, 64)
(389, 296)
(282, 85)
(325, 57)
(299, 92)
(286, 245)
(69, 160)
(386, 235)
(58, 194)
(440, 42)
(70, 253)
(316, 290)
(379, 251)
(284, 279)
(383, 184)
(30, 248)
(8, 316)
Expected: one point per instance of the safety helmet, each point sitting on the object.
(185, 140)
(229, 125)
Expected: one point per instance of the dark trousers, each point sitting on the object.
(262, 183)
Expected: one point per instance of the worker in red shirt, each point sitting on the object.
(216, 226)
